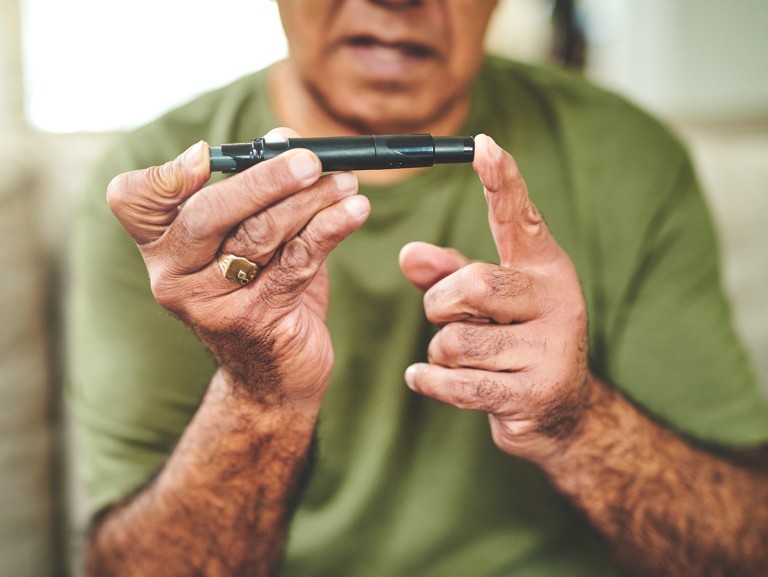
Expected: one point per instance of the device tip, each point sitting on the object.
(453, 149)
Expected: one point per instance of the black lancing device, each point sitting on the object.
(375, 152)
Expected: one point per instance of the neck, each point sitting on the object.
(296, 107)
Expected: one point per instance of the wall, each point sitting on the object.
(687, 60)
(27, 499)
(701, 66)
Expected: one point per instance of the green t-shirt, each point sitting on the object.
(404, 485)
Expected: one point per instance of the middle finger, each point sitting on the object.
(487, 346)
(484, 291)
(259, 236)
(195, 236)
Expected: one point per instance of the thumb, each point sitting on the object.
(425, 264)
(147, 201)
(518, 229)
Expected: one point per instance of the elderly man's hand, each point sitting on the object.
(269, 336)
(513, 338)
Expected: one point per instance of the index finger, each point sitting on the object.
(211, 214)
(519, 231)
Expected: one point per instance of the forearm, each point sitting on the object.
(223, 501)
(665, 506)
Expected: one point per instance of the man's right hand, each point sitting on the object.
(269, 336)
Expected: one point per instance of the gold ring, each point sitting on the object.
(237, 269)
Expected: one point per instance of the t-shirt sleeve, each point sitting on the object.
(635, 222)
(671, 340)
(135, 373)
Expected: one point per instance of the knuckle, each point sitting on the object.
(469, 342)
(116, 192)
(197, 217)
(165, 180)
(491, 394)
(438, 351)
(292, 265)
(258, 232)
(297, 254)
(486, 393)
(432, 297)
(487, 287)
(480, 342)
(448, 341)
(480, 281)
(511, 168)
(474, 271)
(507, 283)
(470, 284)
(165, 291)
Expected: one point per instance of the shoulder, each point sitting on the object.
(607, 146)
(216, 116)
(574, 107)
(237, 111)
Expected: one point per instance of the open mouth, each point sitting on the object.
(409, 49)
(389, 61)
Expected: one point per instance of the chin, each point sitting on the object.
(393, 123)
(386, 110)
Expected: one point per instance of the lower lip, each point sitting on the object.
(384, 62)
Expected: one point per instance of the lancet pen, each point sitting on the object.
(374, 152)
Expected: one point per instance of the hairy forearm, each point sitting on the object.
(666, 506)
(221, 504)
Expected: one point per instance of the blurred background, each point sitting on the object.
(700, 65)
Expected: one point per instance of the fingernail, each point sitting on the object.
(303, 164)
(193, 155)
(495, 149)
(357, 206)
(345, 181)
(410, 376)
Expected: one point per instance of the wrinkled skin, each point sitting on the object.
(286, 217)
(380, 67)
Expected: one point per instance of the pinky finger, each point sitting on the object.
(471, 389)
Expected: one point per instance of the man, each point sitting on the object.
(578, 478)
